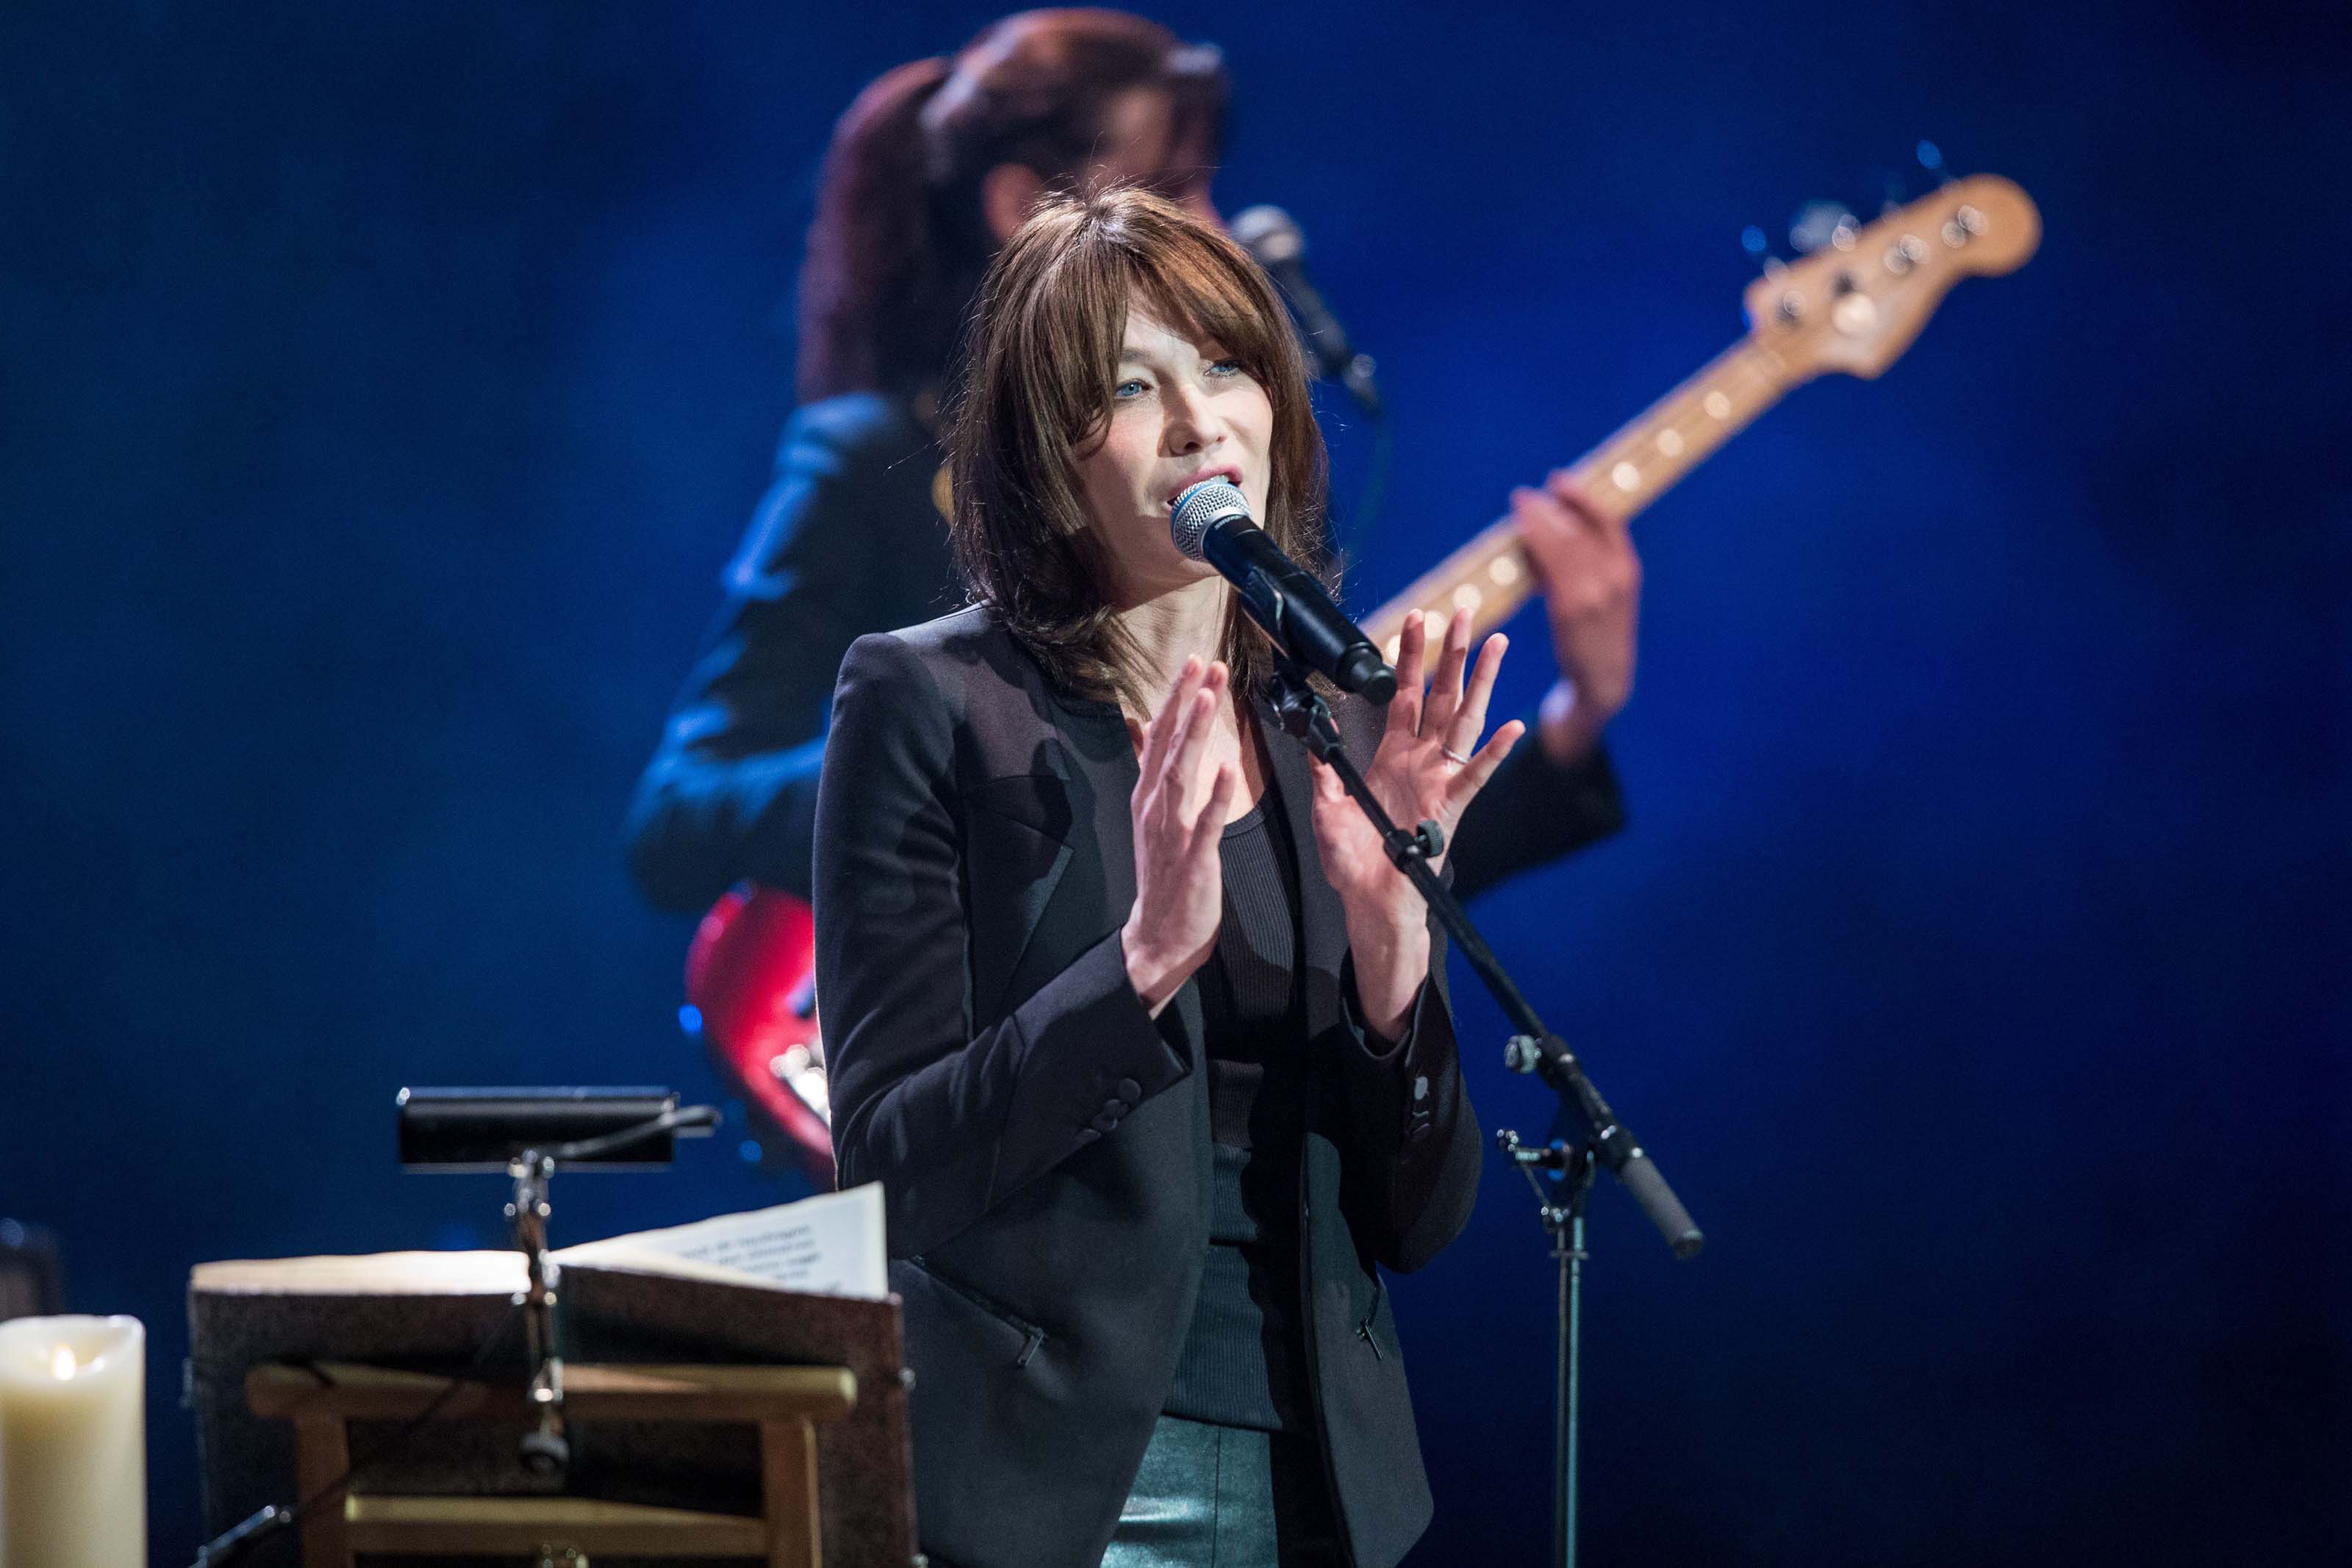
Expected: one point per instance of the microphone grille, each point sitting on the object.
(1271, 235)
(1202, 506)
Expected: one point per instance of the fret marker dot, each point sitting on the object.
(1467, 597)
(1503, 571)
(1628, 477)
(1717, 405)
(1670, 443)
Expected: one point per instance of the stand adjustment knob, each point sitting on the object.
(545, 1452)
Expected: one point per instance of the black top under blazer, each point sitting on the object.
(1044, 1142)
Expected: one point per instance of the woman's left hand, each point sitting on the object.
(1429, 766)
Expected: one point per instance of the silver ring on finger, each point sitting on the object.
(1452, 755)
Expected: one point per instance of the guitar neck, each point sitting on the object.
(1492, 574)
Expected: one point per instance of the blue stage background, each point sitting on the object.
(385, 386)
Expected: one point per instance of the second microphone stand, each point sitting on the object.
(1301, 711)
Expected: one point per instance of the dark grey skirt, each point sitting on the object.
(1227, 1497)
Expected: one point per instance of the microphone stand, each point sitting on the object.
(1559, 1206)
(1301, 712)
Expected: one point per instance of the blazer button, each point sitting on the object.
(1087, 1134)
(1128, 1090)
(1105, 1122)
(1114, 1109)
(1419, 1132)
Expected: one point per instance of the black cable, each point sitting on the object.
(675, 1117)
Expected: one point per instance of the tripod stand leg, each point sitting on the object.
(1565, 1220)
(1567, 1390)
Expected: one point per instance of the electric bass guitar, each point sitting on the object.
(1851, 307)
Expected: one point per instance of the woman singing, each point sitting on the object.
(1145, 1041)
(933, 167)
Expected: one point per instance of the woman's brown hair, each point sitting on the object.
(1040, 364)
(900, 239)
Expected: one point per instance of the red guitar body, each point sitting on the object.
(750, 974)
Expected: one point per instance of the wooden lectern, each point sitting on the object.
(784, 1403)
(711, 1419)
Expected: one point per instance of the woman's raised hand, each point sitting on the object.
(1179, 811)
(1429, 766)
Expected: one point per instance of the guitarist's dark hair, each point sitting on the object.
(900, 239)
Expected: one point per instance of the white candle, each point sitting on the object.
(73, 1443)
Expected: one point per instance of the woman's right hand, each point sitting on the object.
(1178, 812)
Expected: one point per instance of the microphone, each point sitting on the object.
(1210, 522)
(1274, 241)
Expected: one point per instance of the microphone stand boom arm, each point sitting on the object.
(1534, 1049)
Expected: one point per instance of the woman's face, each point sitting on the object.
(1181, 412)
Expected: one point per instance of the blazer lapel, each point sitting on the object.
(1081, 755)
(1020, 848)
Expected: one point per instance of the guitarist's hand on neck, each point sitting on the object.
(1592, 594)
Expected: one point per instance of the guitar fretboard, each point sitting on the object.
(1492, 575)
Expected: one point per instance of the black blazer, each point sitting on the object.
(849, 541)
(1043, 1142)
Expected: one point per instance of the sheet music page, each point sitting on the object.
(484, 1273)
(830, 1245)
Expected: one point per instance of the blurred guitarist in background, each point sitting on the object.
(933, 167)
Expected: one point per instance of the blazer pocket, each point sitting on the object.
(956, 1294)
(1371, 1328)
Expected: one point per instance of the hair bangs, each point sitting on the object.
(1192, 289)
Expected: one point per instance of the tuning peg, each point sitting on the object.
(1820, 224)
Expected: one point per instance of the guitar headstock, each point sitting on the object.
(1855, 303)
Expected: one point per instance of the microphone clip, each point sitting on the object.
(1301, 711)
